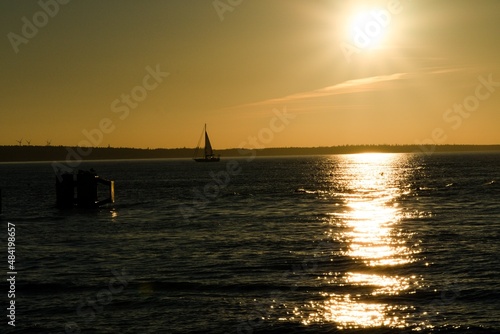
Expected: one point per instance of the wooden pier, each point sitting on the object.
(81, 190)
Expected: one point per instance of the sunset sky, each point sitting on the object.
(151, 73)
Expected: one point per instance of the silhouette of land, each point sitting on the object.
(66, 153)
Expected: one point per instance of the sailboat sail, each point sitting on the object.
(208, 146)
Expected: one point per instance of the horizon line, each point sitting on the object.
(238, 148)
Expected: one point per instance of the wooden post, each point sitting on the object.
(86, 189)
(111, 185)
(65, 191)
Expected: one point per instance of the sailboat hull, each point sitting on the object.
(212, 159)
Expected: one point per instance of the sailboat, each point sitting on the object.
(209, 153)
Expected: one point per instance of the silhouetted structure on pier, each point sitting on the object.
(86, 195)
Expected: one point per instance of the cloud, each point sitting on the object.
(346, 87)
(322, 98)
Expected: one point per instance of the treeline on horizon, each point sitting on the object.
(63, 153)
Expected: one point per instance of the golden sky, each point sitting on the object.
(283, 72)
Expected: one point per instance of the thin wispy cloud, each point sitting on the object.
(346, 87)
(355, 86)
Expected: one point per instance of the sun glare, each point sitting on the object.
(367, 29)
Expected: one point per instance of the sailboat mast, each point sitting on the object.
(205, 130)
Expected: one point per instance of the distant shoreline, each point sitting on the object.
(64, 153)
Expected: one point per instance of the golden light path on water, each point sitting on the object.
(368, 228)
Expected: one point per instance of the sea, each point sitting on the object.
(357, 243)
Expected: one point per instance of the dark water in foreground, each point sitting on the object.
(373, 243)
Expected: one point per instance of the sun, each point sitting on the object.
(367, 29)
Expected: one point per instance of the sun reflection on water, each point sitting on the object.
(369, 232)
(348, 312)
